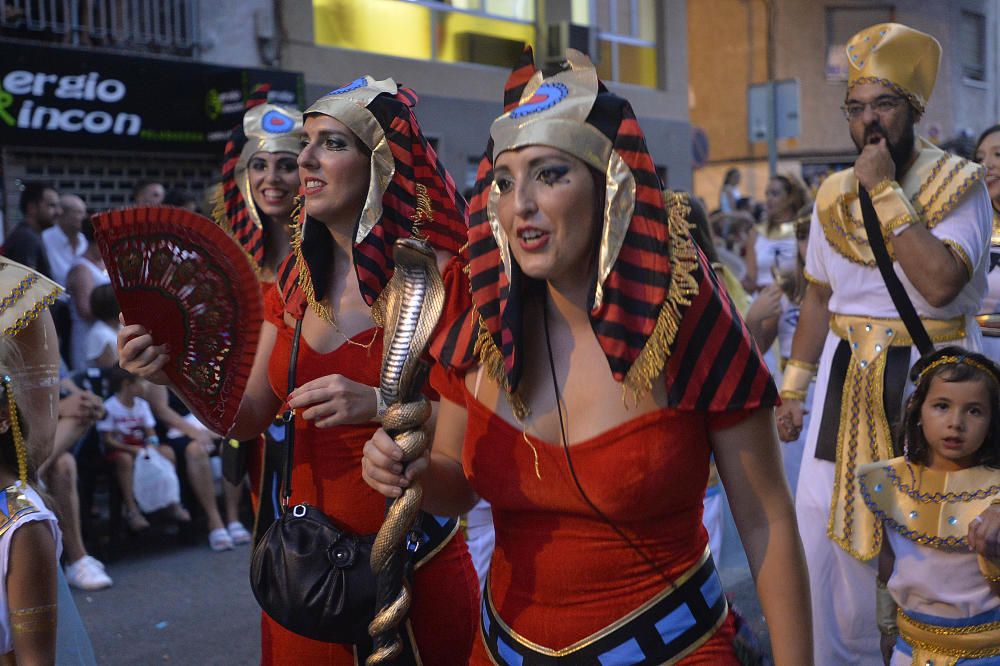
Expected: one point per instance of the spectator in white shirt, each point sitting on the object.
(63, 241)
(101, 343)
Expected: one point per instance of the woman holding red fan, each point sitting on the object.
(369, 177)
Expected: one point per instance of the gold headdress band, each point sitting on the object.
(349, 105)
(15, 426)
(553, 112)
(269, 128)
(272, 129)
(960, 360)
(898, 57)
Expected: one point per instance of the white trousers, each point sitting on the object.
(842, 588)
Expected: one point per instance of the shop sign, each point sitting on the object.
(56, 97)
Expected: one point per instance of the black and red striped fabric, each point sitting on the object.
(237, 217)
(711, 363)
(416, 162)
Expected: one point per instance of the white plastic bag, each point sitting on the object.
(154, 481)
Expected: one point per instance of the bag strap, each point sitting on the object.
(293, 360)
(904, 306)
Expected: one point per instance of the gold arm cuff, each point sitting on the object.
(796, 380)
(989, 324)
(885, 610)
(881, 187)
(962, 254)
(796, 363)
(894, 210)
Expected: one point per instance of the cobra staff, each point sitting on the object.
(935, 219)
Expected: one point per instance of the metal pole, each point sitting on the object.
(772, 128)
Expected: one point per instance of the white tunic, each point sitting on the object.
(936, 582)
(860, 290)
(991, 304)
(780, 254)
(6, 538)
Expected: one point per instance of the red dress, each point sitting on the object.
(559, 573)
(255, 447)
(327, 474)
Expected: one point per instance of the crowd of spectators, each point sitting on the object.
(106, 416)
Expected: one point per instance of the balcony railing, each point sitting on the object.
(152, 26)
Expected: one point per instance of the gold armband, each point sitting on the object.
(882, 186)
(795, 383)
(796, 363)
(885, 610)
(894, 210)
(33, 620)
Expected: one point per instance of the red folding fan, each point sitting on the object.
(190, 284)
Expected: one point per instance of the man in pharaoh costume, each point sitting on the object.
(934, 215)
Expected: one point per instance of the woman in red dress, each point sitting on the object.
(586, 292)
(370, 177)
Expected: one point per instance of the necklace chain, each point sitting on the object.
(328, 316)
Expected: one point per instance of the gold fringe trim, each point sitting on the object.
(221, 218)
(305, 277)
(683, 287)
(379, 307)
(962, 254)
(423, 212)
(814, 280)
(218, 202)
(492, 361)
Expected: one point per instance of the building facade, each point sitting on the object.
(186, 67)
(762, 40)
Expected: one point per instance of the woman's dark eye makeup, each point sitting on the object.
(551, 174)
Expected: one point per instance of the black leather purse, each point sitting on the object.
(311, 576)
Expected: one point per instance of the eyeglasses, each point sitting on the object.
(881, 105)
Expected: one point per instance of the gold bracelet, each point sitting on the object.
(793, 395)
(796, 379)
(881, 187)
(795, 363)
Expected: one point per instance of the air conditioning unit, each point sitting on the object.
(565, 35)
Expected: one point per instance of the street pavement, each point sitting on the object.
(179, 604)
(185, 604)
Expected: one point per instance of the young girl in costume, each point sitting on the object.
(938, 602)
(30, 541)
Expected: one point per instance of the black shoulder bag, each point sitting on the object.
(308, 574)
(904, 306)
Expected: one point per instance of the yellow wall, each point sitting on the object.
(396, 28)
(377, 26)
(725, 55)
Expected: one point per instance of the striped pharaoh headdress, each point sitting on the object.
(265, 128)
(655, 304)
(409, 194)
